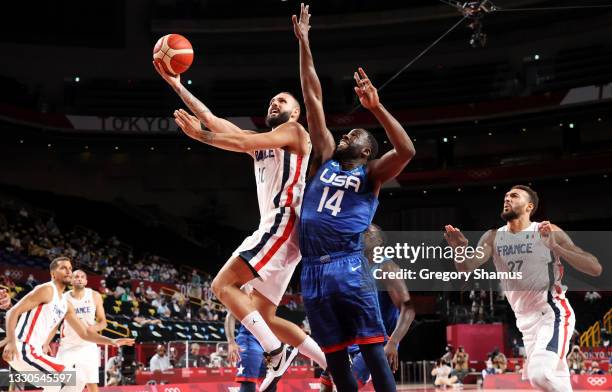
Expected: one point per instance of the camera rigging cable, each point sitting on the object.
(493, 9)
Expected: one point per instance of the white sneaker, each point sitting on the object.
(278, 363)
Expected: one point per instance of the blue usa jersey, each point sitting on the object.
(338, 206)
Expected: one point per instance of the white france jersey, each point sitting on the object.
(85, 309)
(34, 326)
(280, 177)
(541, 271)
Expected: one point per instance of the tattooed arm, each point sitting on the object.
(203, 113)
(289, 135)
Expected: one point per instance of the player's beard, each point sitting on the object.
(510, 215)
(348, 153)
(280, 118)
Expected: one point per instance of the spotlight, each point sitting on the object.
(77, 79)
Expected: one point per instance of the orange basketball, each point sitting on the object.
(174, 53)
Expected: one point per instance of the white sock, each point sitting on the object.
(311, 349)
(258, 327)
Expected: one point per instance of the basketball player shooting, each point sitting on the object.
(31, 320)
(269, 256)
(339, 204)
(543, 314)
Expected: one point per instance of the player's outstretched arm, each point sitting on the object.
(203, 113)
(401, 299)
(85, 334)
(562, 245)
(286, 135)
(40, 295)
(484, 249)
(321, 138)
(393, 162)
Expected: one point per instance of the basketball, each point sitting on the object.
(174, 52)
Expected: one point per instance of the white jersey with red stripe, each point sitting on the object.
(272, 251)
(34, 326)
(280, 177)
(541, 271)
(85, 309)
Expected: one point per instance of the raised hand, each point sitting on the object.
(301, 26)
(367, 93)
(454, 236)
(173, 80)
(547, 233)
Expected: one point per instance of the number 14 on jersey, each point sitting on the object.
(333, 203)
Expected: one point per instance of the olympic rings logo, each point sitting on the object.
(597, 381)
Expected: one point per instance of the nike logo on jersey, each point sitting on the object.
(355, 268)
(340, 180)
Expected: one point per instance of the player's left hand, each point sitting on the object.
(123, 342)
(547, 234)
(392, 355)
(172, 80)
(188, 123)
(367, 93)
(301, 26)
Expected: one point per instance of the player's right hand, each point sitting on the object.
(454, 236)
(173, 80)
(123, 342)
(301, 26)
(10, 351)
(46, 349)
(5, 299)
(233, 352)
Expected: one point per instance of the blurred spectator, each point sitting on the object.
(113, 371)
(218, 358)
(103, 289)
(594, 368)
(500, 363)
(150, 294)
(442, 374)
(143, 320)
(6, 280)
(605, 338)
(576, 361)
(195, 359)
(448, 355)
(30, 283)
(489, 369)
(516, 348)
(592, 296)
(162, 309)
(460, 364)
(160, 361)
